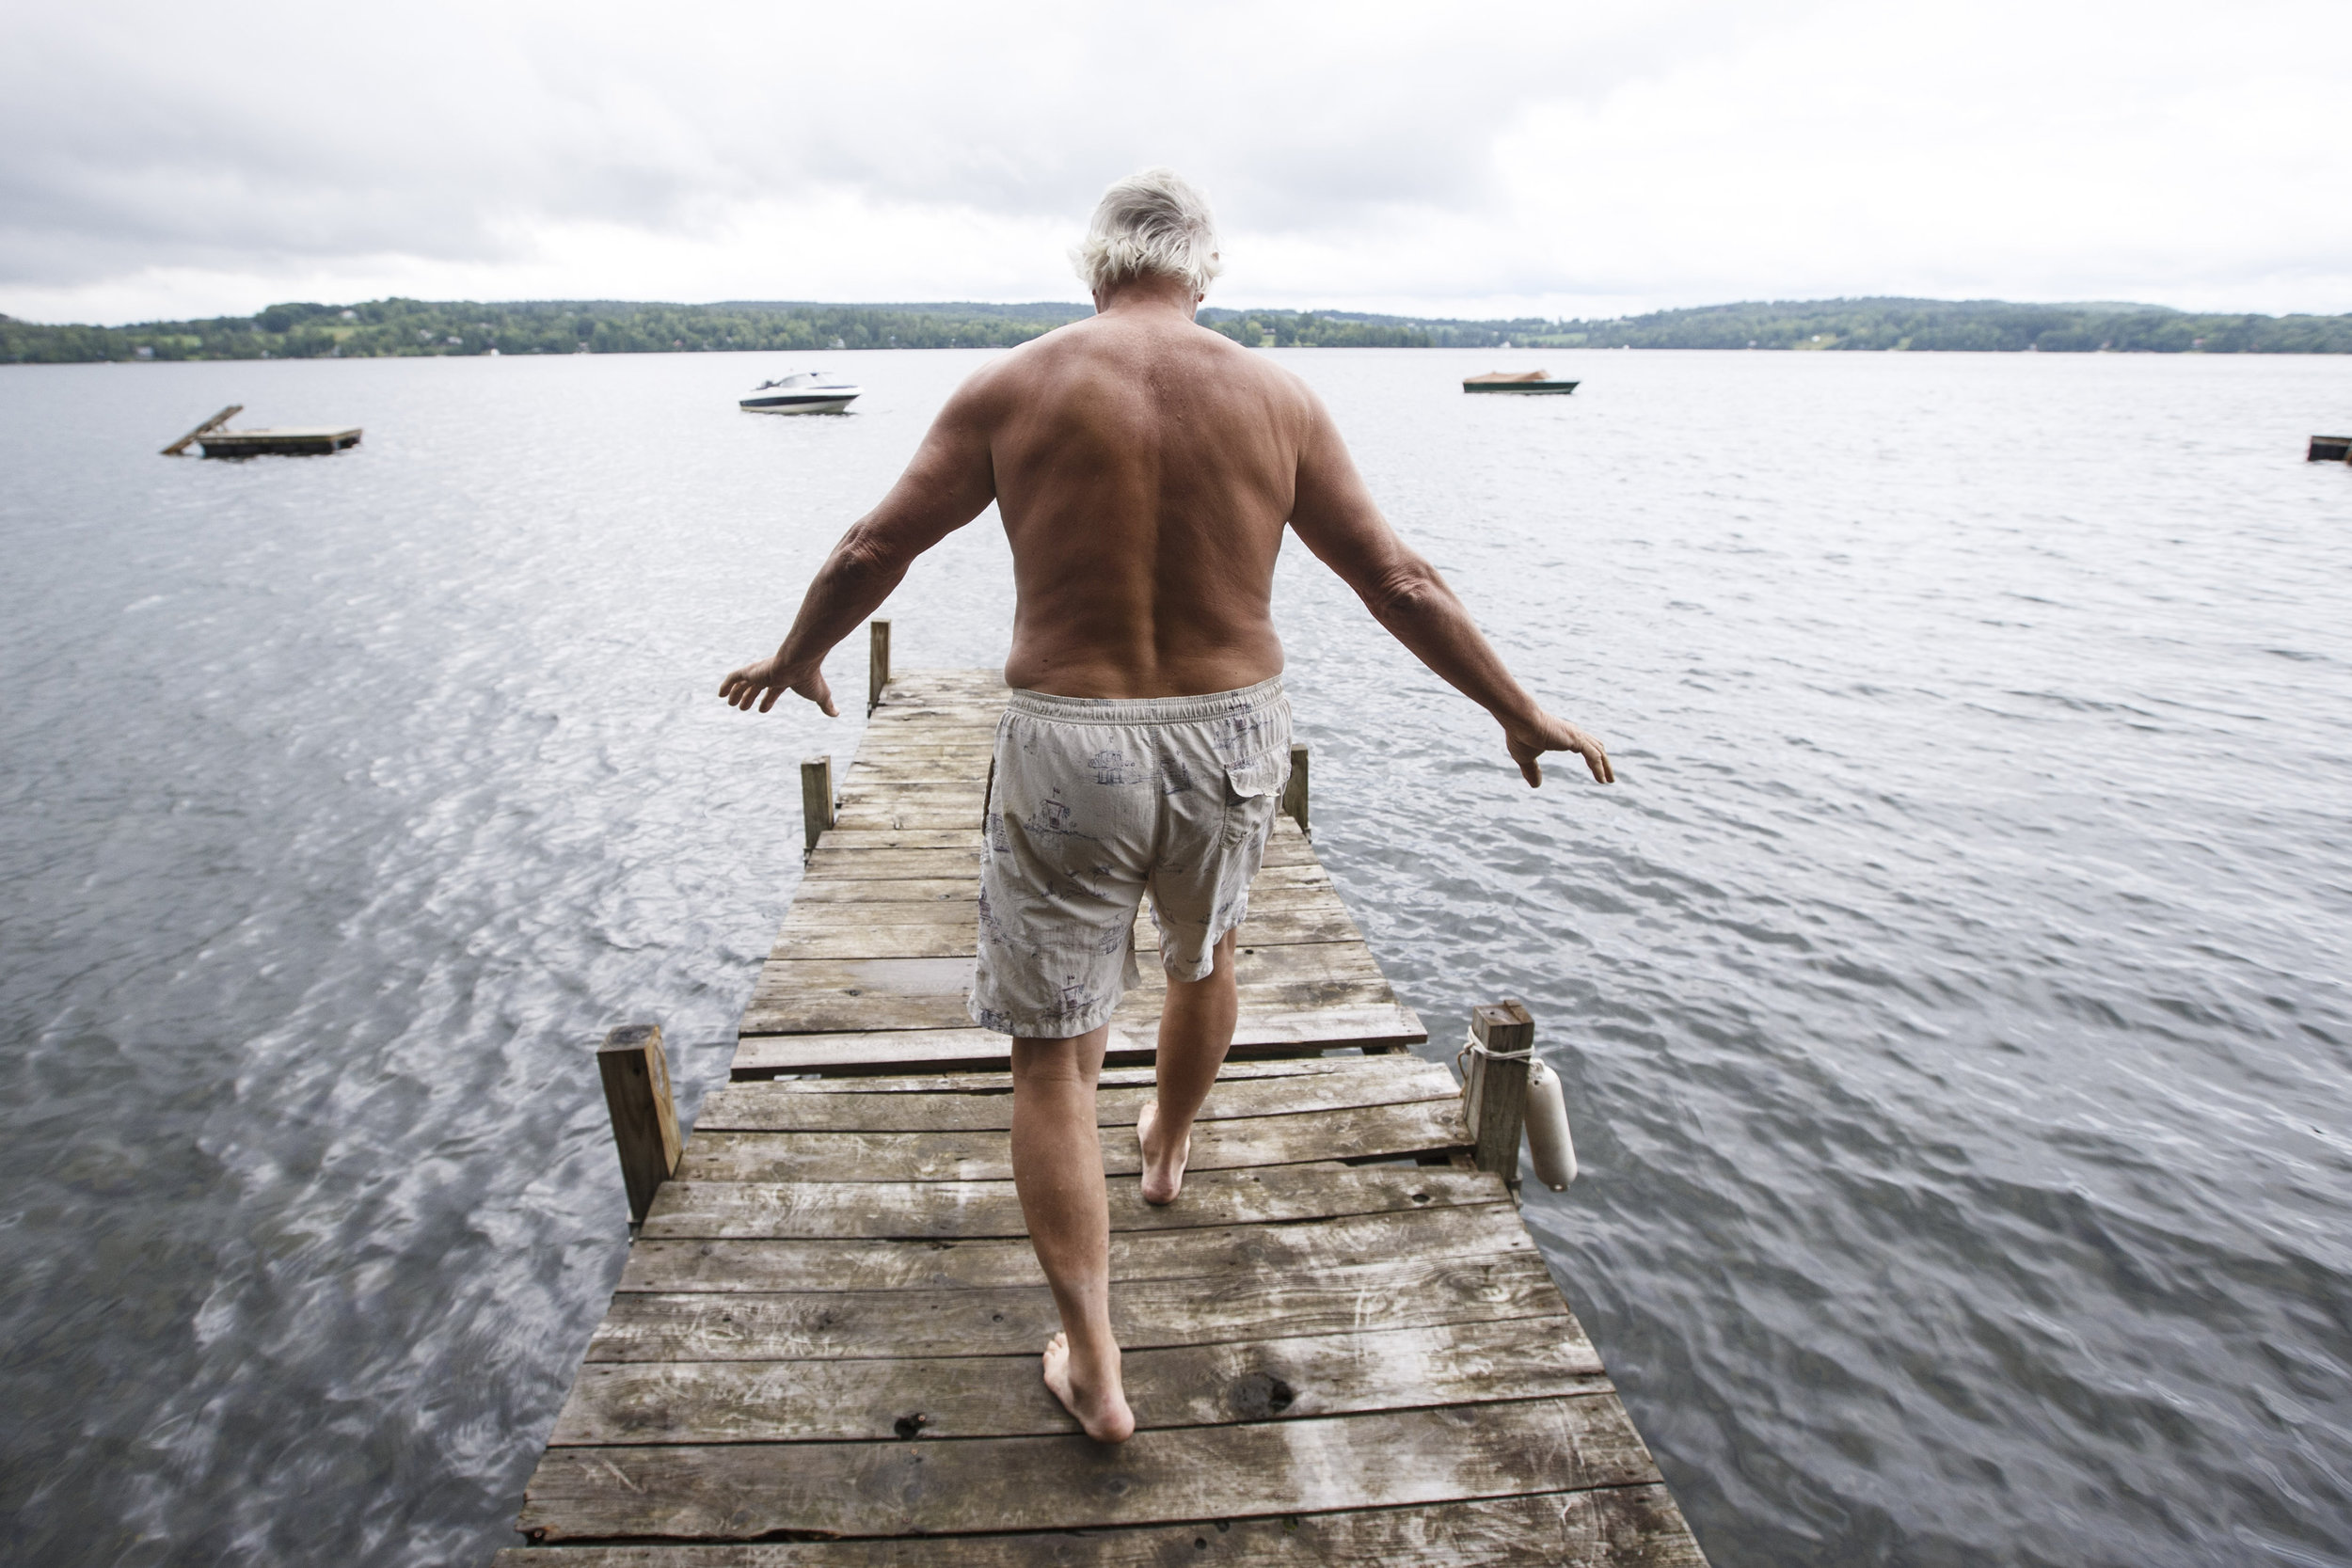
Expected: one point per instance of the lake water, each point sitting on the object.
(1950, 995)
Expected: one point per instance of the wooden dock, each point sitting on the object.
(1341, 1345)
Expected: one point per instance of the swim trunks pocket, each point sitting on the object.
(1252, 791)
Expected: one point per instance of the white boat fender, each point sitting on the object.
(1550, 1147)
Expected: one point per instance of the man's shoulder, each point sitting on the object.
(1080, 358)
(1240, 367)
(1025, 368)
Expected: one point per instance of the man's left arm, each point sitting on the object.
(949, 483)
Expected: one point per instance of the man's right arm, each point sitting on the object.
(950, 481)
(1333, 515)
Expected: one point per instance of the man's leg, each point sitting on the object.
(1196, 1030)
(1058, 1169)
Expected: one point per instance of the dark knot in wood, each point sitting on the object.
(1261, 1395)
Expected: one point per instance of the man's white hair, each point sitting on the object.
(1152, 223)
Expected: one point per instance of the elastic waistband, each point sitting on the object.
(1145, 710)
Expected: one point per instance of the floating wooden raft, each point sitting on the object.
(285, 441)
(1341, 1345)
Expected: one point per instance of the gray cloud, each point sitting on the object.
(1616, 150)
(336, 134)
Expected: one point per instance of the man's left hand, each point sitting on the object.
(763, 681)
(1529, 741)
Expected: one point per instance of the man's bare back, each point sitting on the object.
(1145, 469)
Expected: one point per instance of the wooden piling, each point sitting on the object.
(816, 798)
(180, 446)
(877, 662)
(1294, 792)
(645, 1120)
(1494, 1086)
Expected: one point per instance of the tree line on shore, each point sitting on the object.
(411, 327)
(1927, 326)
(408, 327)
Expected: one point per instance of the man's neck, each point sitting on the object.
(1147, 297)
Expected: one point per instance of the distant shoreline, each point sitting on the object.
(412, 328)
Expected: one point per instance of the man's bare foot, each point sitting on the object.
(1104, 1413)
(1163, 1176)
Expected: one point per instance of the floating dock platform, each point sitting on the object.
(284, 441)
(1340, 1344)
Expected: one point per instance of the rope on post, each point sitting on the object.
(1495, 1058)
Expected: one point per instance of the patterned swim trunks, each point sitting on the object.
(1094, 801)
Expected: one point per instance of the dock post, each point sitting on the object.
(816, 798)
(1494, 1085)
(645, 1120)
(877, 662)
(1294, 792)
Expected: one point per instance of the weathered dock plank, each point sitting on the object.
(705, 1326)
(1383, 1459)
(829, 1324)
(943, 1210)
(1001, 1395)
(931, 1030)
(965, 1081)
(971, 1263)
(934, 930)
(784, 1107)
(1392, 1131)
(783, 982)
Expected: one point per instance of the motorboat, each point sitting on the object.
(806, 392)
(1522, 381)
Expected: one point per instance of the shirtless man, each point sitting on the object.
(1145, 467)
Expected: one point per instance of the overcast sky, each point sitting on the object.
(164, 160)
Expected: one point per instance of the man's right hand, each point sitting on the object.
(764, 681)
(1529, 741)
